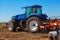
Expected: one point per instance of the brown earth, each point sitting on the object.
(6, 35)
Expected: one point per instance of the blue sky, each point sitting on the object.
(9, 8)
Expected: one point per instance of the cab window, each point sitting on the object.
(38, 10)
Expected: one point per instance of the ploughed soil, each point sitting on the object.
(21, 35)
(6, 35)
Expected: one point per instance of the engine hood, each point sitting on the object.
(20, 16)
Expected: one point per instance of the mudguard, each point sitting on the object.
(39, 15)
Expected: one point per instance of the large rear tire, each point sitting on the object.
(33, 24)
(11, 26)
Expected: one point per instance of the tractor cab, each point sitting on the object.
(36, 9)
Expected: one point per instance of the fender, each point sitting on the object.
(39, 15)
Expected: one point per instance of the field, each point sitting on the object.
(6, 35)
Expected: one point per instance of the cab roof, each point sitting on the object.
(34, 6)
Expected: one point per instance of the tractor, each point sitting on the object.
(30, 20)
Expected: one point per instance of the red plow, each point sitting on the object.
(51, 24)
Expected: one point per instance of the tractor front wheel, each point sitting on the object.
(11, 26)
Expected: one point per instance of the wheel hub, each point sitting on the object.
(33, 25)
(9, 27)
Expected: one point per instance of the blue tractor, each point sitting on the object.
(30, 21)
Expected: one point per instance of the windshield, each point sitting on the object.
(28, 10)
(33, 10)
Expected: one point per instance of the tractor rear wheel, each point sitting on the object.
(11, 26)
(33, 24)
